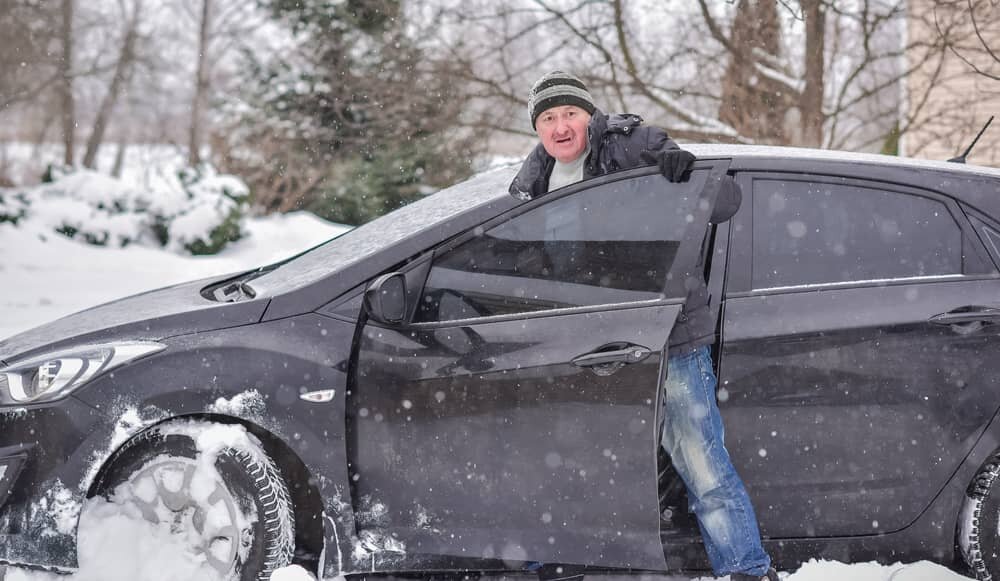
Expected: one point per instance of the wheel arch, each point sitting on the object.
(305, 494)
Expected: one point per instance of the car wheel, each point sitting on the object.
(979, 534)
(238, 515)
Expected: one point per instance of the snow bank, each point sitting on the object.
(293, 573)
(194, 210)
(816, 570)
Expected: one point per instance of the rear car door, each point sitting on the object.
(859, 362)
(514, 415)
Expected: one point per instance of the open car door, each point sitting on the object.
(514, 414)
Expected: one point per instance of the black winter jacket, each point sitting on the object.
(617, 143)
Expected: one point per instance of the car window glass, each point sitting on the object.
(612, 243)
(991, 237)
(815, 233)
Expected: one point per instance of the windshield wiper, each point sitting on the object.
(233, 292)
(237, 289)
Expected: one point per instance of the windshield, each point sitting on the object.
(359, 243)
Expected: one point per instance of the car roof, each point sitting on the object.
(771, 152)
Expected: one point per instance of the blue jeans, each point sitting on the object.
(693, 436)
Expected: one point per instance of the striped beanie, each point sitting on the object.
(555, 89)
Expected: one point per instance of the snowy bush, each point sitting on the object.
(12, 207)
(196, 211)
(212, 213)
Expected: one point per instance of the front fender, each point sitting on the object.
(253, 375)
(44, 448)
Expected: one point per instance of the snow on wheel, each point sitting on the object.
(215, 492)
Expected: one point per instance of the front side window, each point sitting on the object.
(808, 233)
(612, 243)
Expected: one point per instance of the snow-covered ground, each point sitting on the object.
(44, 276)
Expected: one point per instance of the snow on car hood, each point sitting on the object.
(152, 315)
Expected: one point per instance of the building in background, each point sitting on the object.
(968, 78)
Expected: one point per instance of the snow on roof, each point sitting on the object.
(802, 153)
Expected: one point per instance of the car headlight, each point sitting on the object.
(55, 375)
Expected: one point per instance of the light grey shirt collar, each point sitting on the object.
(564, 174)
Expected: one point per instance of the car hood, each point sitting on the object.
(175, 310)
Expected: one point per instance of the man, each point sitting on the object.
(578, 141)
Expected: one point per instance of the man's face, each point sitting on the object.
(563, 131)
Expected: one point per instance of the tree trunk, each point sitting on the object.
(40, 138)
(752, 102)
(198, 104)
(122, 69)
(116, 171)
(811, 100)
(67, 109)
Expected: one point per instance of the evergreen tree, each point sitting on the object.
(353, 120)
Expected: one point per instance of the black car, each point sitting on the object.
(471, 383)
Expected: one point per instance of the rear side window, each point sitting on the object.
(989, 236)
(613, 243)
(808, 233)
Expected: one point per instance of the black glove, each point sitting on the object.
(672, 162)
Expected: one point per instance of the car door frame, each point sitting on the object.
(739, 277)
(417, 270)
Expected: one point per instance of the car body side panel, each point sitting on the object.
(931, 537)
(829, 421)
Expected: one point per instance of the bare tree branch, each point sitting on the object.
(713, 27)
(979, 35)
(638, 84)
(591, 41)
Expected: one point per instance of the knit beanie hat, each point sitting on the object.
(555, 89)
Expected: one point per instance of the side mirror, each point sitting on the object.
(385, 298)
(727, 202)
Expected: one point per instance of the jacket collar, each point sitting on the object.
(621, 123)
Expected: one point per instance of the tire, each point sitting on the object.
(979, 534)
(255, 534)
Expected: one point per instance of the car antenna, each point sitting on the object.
(961, 158)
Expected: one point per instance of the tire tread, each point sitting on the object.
(979, 492)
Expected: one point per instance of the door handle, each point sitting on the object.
(966, 315)
(623, 353)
